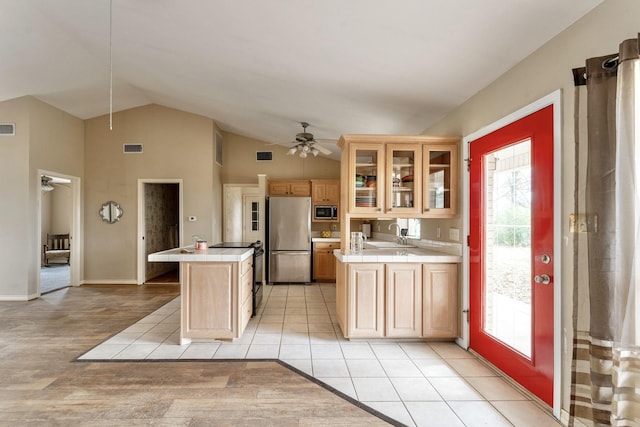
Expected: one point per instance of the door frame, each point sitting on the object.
(555, 99)
(142, 256)
(76, 260)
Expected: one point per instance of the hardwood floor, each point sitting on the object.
(42, 384)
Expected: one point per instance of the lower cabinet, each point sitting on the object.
(440, 298)
(324, 262)
(397, 300)
(403, 301)
(215, 299)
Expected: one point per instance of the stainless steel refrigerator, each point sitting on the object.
(289, 239)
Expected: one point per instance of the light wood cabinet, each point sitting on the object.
(403, 300)
(365, 301)
(397, 176)
(440, 300)
(324, 262)
(363, 182)
(440, 180)
(397, 300)
(215, 299)
(297, 188)
(325, 191)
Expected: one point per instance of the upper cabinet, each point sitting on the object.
(365, 177)
(298, 188)
(399, 176)
(440, 180)
(325, 191)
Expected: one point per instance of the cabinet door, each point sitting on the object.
(440, 196)
(279, 188)
(366, 301)
(403, 178)
(318, 193)
(209, 299)
(366, 178)
(332, 192)
(324, 262)
(403, 300)
(440, 301)
(300, 189)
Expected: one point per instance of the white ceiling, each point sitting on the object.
(260, 67)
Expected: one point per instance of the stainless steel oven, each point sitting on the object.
(258, 267)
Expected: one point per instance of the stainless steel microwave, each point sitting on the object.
(325, 212)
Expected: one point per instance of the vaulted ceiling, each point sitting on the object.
(259, 68)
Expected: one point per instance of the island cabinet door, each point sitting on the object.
(208, 299)
(366, 301)
(404, 300)
(440, 301)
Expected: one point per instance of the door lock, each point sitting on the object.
(543, 278)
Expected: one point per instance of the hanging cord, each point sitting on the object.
(110, 65)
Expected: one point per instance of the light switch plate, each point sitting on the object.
(454, 234)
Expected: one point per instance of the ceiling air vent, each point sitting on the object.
(7, 129)
(262, 156)
(132, 148)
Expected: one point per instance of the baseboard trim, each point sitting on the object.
(109, 282)
(15, 297)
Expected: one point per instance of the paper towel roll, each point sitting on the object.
(366, 230)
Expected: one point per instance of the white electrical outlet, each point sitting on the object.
(454, 234)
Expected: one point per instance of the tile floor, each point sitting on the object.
(415, 383)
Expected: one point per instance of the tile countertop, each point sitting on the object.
(325, 239)
(398, 255)
(189, 254)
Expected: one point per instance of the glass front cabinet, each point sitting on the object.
(440, 180)
(399, 176)
(404, 193)
(366, 185)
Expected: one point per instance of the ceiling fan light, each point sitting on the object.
(305, 148)
(292, 151)
(314, 152)
(303, 154)
(45, 183)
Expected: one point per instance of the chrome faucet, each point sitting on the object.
(397, 231)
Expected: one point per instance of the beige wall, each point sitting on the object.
(176, 145)
(46, 139)
(241, 167)
(543, 72)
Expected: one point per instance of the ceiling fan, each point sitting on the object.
(305, 144)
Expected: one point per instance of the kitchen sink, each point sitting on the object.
(386, 245)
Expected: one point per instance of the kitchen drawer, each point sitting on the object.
(246, 266)
(245, 314)
(246, 284)
(326, 245)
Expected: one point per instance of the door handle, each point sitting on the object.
(543, 278)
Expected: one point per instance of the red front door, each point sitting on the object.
(511, 250)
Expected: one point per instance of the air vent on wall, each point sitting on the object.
(264, 156)
(7, 129)
(132, 148)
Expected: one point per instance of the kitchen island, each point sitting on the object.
(397, 292)
(215, 291)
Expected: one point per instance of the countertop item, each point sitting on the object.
(411, 254)
(190, 254)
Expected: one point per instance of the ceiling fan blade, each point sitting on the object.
(322, 149)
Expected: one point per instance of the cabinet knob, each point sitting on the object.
(426, 209)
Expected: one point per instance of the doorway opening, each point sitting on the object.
(60, 242)
(159, 227)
